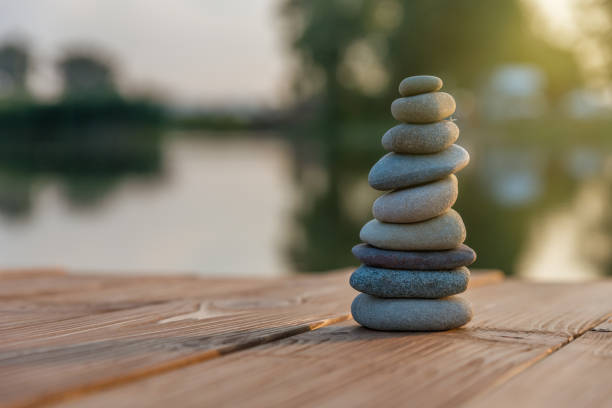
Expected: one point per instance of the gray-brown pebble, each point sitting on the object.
(420, 139)
(418, 203)
(446, 231)
(419, 84)
(396, 170)
(423, 108)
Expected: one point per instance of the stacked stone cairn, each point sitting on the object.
(414, 259)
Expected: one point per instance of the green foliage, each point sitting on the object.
(352, 55)
(86, 76)
(460, 41)
(14, 66)
(96, 135)
(329, 218)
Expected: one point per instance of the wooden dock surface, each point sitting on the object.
(109, 341)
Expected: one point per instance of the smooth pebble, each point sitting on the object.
(418, 203)
(394, 170)
(420, 139)
(463, 255)
(411, 314)
(443, 232)
(423, 108)
(419, 84)
(399, 283)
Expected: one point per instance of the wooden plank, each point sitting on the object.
(152, 325)
(25, 286)
(484, 277)
(516, 324)
(52, 287)
(577, 375)
(26, 302)
(78, 353)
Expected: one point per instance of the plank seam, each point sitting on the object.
(137, 375)
(601, 330)
(527, 364)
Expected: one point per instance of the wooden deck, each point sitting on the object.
(103, 341)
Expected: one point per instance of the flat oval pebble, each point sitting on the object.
(420, 139)
(411, 314)
(419, 84)
(463, 255)
(423, 108)
(395, 170)
(443, 232)
(418, 203)
(399, 283)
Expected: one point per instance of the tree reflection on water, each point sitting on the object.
(538, 136)
(521, 110)
(511, 183)
(87, 139)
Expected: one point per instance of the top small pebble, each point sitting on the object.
(419, 84)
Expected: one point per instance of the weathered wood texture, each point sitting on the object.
(28, 301)
(483, 277)
(516, 324)
(578, 375)
(120, 331)
(65, 335)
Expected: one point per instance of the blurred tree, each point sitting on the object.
(352, 54)
(594, 21)
(355, 52)
(88, 140)
(14, 64)
(86, 76)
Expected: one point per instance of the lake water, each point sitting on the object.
(221, 207)
(226, 207)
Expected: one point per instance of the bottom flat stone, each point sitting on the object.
(411, 314)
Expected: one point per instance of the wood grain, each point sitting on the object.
(483, 277)
(516, 325)
(100, 286)
(104, 348)
(577, 375)
(26, 302)
(51, 299)
(69, 337)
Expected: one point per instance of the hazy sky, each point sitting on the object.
(210, 52)
(202, 51)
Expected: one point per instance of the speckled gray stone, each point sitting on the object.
(463, 255)
(418, 203)
(399, 283)
(420, 139)
(419, 84)
(411, 314)
(396, 170)
(423, 108)
(443, 232)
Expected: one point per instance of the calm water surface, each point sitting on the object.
(220, 207)
(227, 207)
